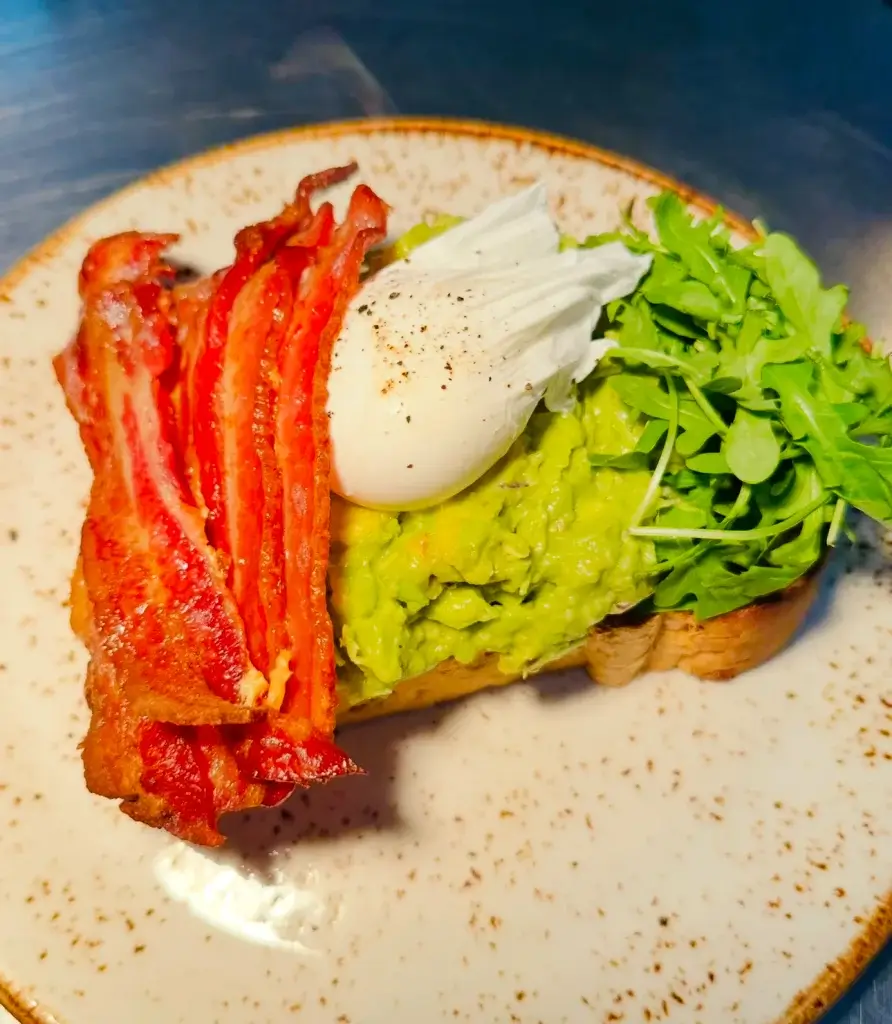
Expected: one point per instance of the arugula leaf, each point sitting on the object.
(638, 328)
(879, 425)
(756, 534)
(804, 549)
(865, 372)
(710, 587)
(651, 435)
(676, 322)
(711, 463)
(633, 238)
(693, 440)
(751, 448)
(750, 258)
(645, 393)
(771, 415)
(692, 244)
(796, 285)
(652, 358)
(687, 296)
(724, 385)
(753, 349)
(665, 272)
(626, 460)
(859, 473)
(851, 413)
(683, 481)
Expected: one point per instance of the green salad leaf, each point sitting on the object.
(751, 448)
(766, 415)
(794, 281)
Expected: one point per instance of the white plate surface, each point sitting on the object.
(553, 852)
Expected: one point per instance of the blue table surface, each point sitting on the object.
(779, 108)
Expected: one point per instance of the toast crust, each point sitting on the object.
(617, 651)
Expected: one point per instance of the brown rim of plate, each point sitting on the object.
(837, 976)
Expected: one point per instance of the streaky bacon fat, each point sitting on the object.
(180, 778)
(302, 441)
(254, 245)
(163, 615)
(201, 584)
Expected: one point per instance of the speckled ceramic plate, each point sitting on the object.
(554, 852)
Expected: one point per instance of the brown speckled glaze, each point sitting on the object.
(673, 850)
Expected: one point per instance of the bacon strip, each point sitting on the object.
(252, 488)
(191, 303)
(295, 746)
(162, 611)
(232, 388)
(259, 466)
(201, 586)
(254, 246)
(302, 443)
(180, 778)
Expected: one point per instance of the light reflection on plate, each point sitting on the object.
(262, 908)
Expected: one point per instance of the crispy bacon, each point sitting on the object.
(302, 440)
(162, 611)
(265, 462)
(233, 393)
(250, 528)
(201, 585)
(254, 246)
(190, 302)
(179, 778)
(295, 745)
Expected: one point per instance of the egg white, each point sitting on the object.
(443, 356)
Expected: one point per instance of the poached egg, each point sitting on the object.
(444, 356)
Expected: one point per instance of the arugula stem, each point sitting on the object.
(732, 536)
(741, 504)
(660, 470)
(707, 407)
(837, 522)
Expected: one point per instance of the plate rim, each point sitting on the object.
(837, 976)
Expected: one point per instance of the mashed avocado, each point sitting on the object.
(521, 564)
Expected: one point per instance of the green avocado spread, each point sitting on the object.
(521, 564)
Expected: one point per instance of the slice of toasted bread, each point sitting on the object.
(617, 651)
